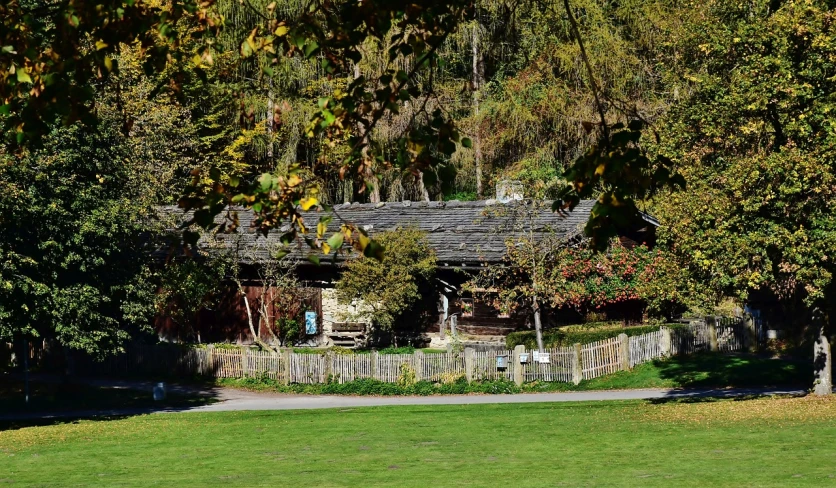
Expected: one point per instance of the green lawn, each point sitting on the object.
(705, 371)
(764, 442)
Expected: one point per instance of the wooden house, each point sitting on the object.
(466, 237)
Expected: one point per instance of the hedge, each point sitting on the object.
(566, 336)
(376, 387)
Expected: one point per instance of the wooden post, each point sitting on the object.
(329, 367)
(518, 367)
(288, 365)
(624, 351)
(469, 361)
(442, 316)
(419, 365)
(577, 365)
(374, 365)
(245, 352)
(209, 366)
(452, 326)
(711, 321)
(667, 342)
(751, 333)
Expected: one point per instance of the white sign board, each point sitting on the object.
(544, 358)
(524, 357)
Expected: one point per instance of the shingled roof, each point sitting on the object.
(461, 233)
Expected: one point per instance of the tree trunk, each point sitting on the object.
(371, 177)
(477, 85)
(822, 364)
(538, 326)
(271, 113)
(256, 337)
(425, 195)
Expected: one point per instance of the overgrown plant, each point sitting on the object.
(397, 294)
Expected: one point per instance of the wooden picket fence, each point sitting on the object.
(566, 364)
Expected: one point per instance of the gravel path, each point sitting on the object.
(230, 399)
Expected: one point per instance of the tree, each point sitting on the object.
(278, 307)
(74, 265)
(522, 281)
(189, 285)
(398, 293)
(755, 141)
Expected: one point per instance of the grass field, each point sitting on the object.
(761, 442)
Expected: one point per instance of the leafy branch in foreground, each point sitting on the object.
(335, 33)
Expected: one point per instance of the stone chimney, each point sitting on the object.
(509, 190)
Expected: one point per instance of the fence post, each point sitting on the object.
(419, 365)
(624, 350)
(468, 363)
(329, 366)
(208, 367)
(373, 366)
(711, 322)
(577, 365)
(244, 361)
(288, 365)
(751, 332)
(518, 367)
(667, 342)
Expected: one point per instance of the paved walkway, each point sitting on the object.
(230, 399)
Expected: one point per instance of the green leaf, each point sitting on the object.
(336, 240)
(314, 259)
(374, 250)
(466, 142)
(265, 182)
(311, 47)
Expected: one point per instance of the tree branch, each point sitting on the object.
(593, 84)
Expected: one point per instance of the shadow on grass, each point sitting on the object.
(735, 371)
(56, 399)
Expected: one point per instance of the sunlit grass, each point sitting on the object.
(763, 442)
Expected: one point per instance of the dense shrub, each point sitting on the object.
(377, 388)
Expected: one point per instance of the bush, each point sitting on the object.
(366, 387)
(583, 334)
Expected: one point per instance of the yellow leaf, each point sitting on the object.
(326, 249)
(101, 45)
(320, 229)
(307, 202)
(281, 30)
(600, 169)
(364, 241)
(23, 76)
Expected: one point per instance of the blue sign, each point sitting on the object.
(310, 323)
